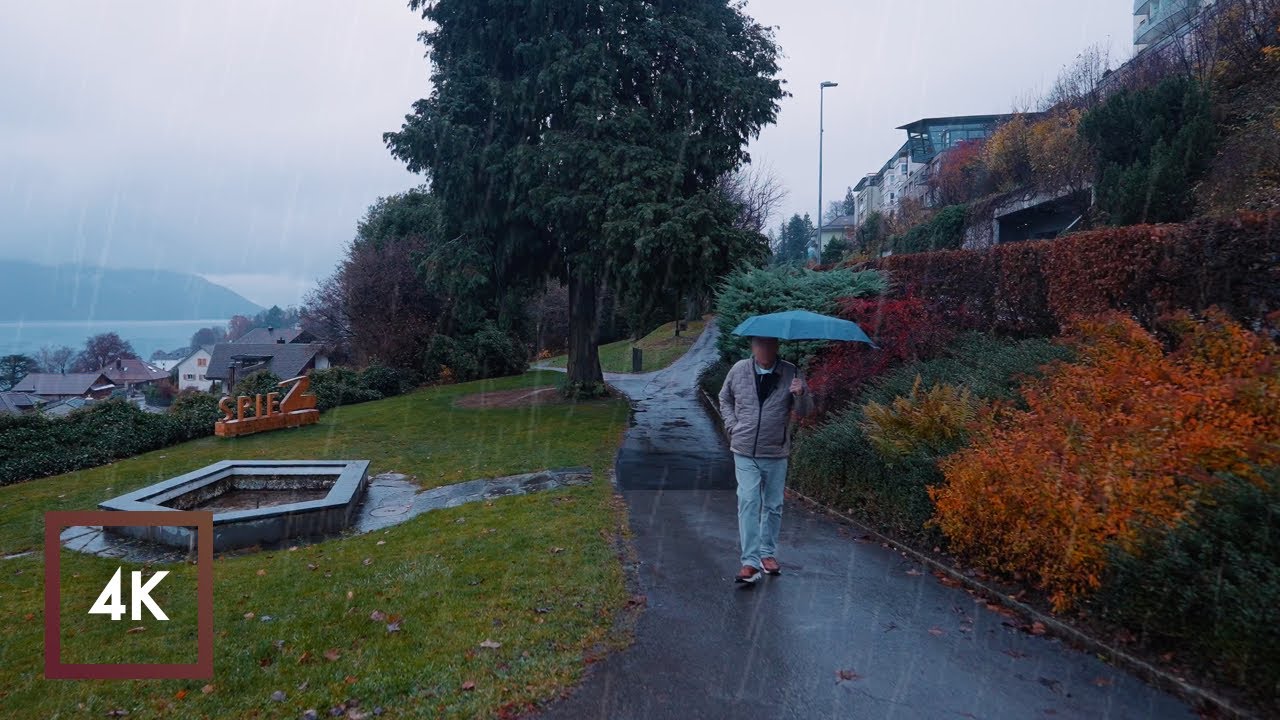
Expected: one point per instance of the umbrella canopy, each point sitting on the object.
(801, 325)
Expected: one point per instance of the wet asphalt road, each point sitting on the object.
(706, 648)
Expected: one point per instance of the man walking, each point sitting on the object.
(757, 400)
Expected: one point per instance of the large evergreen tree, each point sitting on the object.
(584, 141)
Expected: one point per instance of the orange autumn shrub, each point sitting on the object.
(1121, 438)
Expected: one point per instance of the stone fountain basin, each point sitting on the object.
(254, 502)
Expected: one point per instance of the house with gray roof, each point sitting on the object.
(16, 403)
(231, 362)
(60, 386)
(263, 336)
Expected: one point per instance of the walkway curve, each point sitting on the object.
(850, 630)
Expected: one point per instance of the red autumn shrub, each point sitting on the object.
(1032, 288)
(904, 329)
(1125, 437)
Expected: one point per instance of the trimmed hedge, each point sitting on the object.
(1033, 288)
(33, 446)
(838, 465)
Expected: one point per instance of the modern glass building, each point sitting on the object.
(930, 136)
(1155, 20)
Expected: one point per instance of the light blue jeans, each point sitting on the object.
(760, 483)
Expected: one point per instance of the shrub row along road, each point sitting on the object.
(850, 630)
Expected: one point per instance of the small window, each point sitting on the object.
(202, 362)
(189, 376)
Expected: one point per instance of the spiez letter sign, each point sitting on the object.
(54, 522)
(296, 408)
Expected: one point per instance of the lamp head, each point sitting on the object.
(828, 83)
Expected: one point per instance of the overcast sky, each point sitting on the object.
(241, 139)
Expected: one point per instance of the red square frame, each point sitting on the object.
(54, 668)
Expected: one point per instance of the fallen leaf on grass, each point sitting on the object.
(377, 616)
(381, 542)
(278, 696)
(262, 572)
(393, 627)
(248, 616)
(469, 685)
(557, 550)
(843, 675)
(135, 630)
(207, 689)
(117, 713)
(367, 561)
(180, 694)
(332, 654)
(490, 644)
(350, 594)
(304, 657)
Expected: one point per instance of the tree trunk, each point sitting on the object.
(584, 357)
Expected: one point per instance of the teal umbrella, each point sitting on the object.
(801, 325)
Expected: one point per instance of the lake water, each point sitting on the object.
(146, 336)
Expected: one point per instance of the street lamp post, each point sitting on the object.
(821, 130)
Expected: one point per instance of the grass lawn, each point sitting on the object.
(661, 348)
(538, 574)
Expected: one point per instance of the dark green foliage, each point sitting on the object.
(944, 231)
(712, 378)
(987, 366)
(194, 414)
(15, 367)
(1152, 147)
(496, 354)
(260, 382)
(835, 251)
(447, 358)
(870, 236)
(836, 463)
(794, 238)
(340, 386)
(586, 141)
(1210, 586)
(383, 380)
(760, 291)
(34, 446)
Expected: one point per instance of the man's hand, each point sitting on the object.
(797, 387)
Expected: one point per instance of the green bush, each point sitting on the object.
(944, 231)
(260, 382)
(445, 353)
(337, 386)
(1152, 147)
(837, 464)
(712, 378)
(194, 414)
(497, 354)
(1210, 587)
(383, 380)
(757, 291)
(34, 446)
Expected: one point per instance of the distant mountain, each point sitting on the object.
(32, 292)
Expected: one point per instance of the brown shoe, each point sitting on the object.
(771, 566)
(748, 575)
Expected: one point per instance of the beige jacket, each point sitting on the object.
(761, 428)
